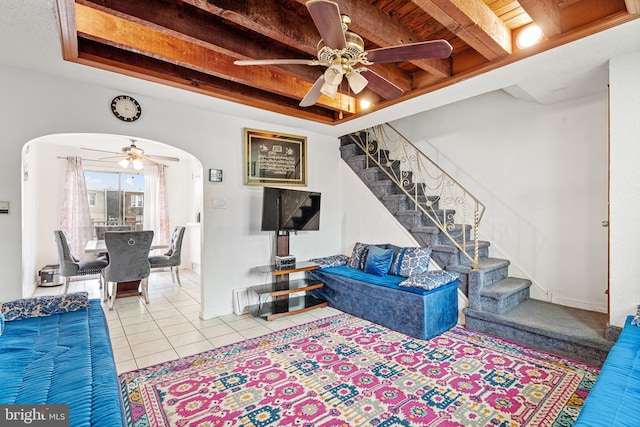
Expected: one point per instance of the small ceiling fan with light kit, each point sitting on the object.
(343, 53)
(134, 155)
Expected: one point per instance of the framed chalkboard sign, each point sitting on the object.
(275, 158)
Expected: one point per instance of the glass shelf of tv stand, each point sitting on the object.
(286, 306)
(282, 304)
(298, 267)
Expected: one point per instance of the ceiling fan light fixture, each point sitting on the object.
(330, 90)
(357, 81)
(333, 75)
(124, 163)
(137, 164)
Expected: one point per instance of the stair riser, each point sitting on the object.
(357, 163)
(504, 304)
(450, 259)
(371, 175)
(489, 277)
(426, 239)
(384, 188)
(350, 150)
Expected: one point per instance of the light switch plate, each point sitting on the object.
(4, 207)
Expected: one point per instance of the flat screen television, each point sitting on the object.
(290, 210)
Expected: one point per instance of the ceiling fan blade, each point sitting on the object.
(313, 94)
(277, 62)
(434, 49)
(326, 16)
(382, 86)
(102, 151)
(167, 158)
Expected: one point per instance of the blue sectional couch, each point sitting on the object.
(56, 350)
(615, 397)
(421, 309)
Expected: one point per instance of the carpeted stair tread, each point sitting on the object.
(485, 265)
(568, 331)
(504, 288)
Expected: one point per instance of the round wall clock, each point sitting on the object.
(126, 108)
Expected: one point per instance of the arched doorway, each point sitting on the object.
(43, 182)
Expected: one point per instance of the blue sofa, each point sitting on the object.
(388, 300)
(56, 350)
(615, 397)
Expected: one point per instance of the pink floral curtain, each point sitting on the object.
(162, 209)
(74, 215)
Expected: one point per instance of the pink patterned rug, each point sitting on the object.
(344, 371)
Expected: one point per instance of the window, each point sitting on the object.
(115, 198)
(137, 200)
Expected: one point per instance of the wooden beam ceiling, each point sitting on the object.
(192, 44)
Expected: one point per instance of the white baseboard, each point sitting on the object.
(578, 304)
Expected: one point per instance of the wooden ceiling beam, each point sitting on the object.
(110, 58)
(115, 31)
(371, 24)
(633, 6)
(546, 14)
(286, 27)
(474, 22)
(196, 28)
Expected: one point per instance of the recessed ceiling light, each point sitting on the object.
(364, 104)
(529, 36)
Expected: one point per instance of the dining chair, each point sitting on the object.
(101, 229)
(171, 258)
(128, 261)
(71, 266)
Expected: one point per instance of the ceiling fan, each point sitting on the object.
(341, 50)
(134, 155)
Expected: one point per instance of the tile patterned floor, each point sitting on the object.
(169, 327)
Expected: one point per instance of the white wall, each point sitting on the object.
(541, 171)
(624, 225)
(38, 105)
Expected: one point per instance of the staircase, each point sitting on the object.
(498, 304)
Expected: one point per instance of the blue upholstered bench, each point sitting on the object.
(615, 397)
(413, 311)
(56, 350)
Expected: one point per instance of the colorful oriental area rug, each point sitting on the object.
(344, 371)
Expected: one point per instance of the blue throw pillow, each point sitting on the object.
(378, 261)
(430, 280)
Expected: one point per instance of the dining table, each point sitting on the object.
(123, 289)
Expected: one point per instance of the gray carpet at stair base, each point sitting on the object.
(566, 331)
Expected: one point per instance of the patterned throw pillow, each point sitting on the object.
(358, 256)
(636, 319)
(1, 323)
(43, 306)
(330, 261)
(410, 261)
(430, 280)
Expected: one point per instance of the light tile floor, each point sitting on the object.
(169, 327)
